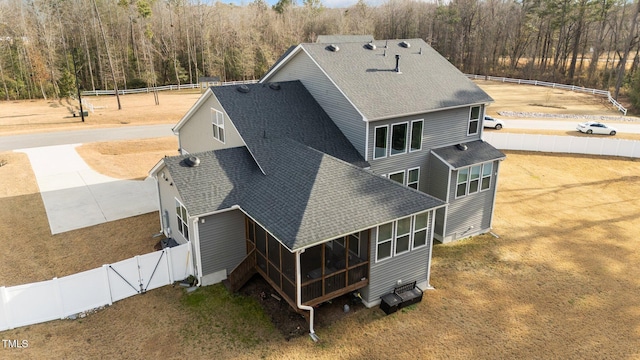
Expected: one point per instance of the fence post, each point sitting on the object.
(58, 297)
(4, 302)
(169, 261)
(107, 283)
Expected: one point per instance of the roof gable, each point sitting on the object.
(426, 81)
(284, 110)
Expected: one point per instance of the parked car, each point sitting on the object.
(594, 127)
(493, 123)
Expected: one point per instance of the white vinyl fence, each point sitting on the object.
(606, 93)
(163, 88)
(67, 296)
(564, 144)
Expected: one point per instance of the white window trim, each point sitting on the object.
(470, 120)
(414, 230)
(404, 177)
(406, 139)
(218, 122)
(396, 236)
(393, 226)
(468, 181)
(417, 182)
(483, 177)
(387, 141)
(411, 134)
(185, 222)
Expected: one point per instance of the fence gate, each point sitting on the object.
(138, 274)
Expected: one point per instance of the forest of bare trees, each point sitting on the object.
(139, 43)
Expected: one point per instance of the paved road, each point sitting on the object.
(26, 141)
(567, 125)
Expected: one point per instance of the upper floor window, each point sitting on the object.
(470, 180)
(397, 177)
(182, 217)
(403, 138)
(399, 138)
(381, 135)
(474, 120)
(416, 135)
(217, 119)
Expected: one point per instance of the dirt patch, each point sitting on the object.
(290, 323)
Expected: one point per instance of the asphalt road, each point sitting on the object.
(566, 125)
(26, 141)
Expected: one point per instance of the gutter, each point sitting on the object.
(312, 333)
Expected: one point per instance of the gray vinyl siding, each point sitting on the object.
(471, 210)
(438, 182)
(339, 109)
(222, 241)
(384, 275)
(168, 196)
(441, 128)
(196, 135)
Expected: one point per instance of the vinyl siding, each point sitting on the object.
(168, 196)
(222, 241)
(438, 182)
(471, 210)
(384, 275)
(196, 135)
(345, 116)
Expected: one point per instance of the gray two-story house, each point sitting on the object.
(412, 115)
(327, 178)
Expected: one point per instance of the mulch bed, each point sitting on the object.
(290, 323)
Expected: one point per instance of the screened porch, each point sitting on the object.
(328, 270)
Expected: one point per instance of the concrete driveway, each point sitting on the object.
(75, 196)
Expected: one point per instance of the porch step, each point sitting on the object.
(242, 273)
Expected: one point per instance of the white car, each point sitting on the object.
(594, 127)
(492, 123)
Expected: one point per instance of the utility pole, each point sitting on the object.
(75, 72)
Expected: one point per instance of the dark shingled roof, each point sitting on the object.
(477, 152)
(426, 81)
(306, 198)
(291, 112)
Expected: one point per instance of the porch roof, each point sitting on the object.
(306, 197)
(467, 154)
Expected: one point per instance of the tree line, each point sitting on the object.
(138, 43)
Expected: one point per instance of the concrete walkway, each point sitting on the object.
(75, 196)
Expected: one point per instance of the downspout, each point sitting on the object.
(312, 333)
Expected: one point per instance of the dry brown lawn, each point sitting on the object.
(29, 116)
(116, 157)
(561, 281)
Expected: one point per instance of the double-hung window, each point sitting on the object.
(420, 230)
(399, 136)
(217, 120)
(403, 235)
(182, 217)
(486, 176)
(474, 120)
(384, 241)
(398, 177)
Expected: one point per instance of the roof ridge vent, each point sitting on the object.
(192, 161)
(333, 48)
(274, 86)
(243, 88)
(370, 45)
(405, 44)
